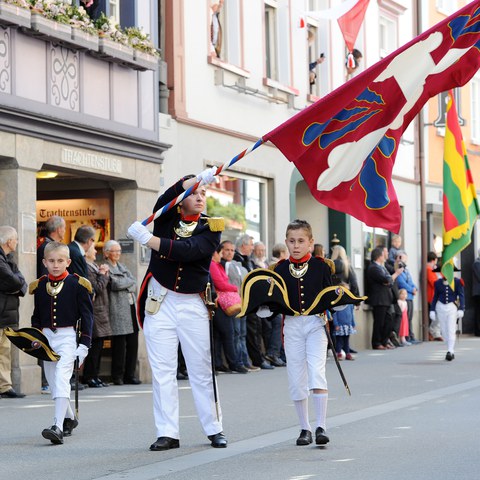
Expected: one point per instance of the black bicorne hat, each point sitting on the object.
(33, 342)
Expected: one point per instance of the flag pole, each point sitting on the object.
(190, 190)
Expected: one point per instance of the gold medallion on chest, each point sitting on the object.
(184, 229)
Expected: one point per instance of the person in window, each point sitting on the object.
(216, 27)
(312, 75)
(92, 7)
(352, 67)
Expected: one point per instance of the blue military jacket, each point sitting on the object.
(303, 291)
(442, 292)
(182, 264)
(72, 304)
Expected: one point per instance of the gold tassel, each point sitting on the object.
(331, 264)
(216, 224)
(34, 285)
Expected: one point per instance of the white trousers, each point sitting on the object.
(63, 341)
(306, 351)
(184, 318)
(447, 316)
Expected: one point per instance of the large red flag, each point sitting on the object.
(345, 144)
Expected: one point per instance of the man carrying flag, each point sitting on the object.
(460, 212)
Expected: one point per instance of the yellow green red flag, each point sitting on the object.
(460, 206)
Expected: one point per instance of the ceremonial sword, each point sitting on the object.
(337, 363)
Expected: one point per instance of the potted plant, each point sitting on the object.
(112, 42)
(50, 20)
(15, 13)
(145, 54)
(84, 32)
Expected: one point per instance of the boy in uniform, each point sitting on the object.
(62, 309)
(300, 287)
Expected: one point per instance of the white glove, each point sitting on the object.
(340, 308)
(139, 232)
(264, 312)
(81, 352)
(460, 313)
(432, 315)
(207, 176)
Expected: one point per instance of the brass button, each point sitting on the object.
(301, 279)
(176, 288)
(302, 294)
(180, 269)
(301, 286)
(179, 278)
(54, 324)
(302, 302)
(54, 317)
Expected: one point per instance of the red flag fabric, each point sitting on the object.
(351, 22)
(345, 144)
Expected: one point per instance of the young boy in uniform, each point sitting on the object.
(62, 310)
(301, 288)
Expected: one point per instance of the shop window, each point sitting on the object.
(241, 202)
(315, 59)
(475, 110)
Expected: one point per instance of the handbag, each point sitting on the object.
(229, 302)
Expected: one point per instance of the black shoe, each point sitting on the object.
(12, 394)
(132, 381)
(218, 440)
(320, 437)
(54, 434)
(305, 438)
(240, 369)
(68, 425)
(181, 376)
(164, 443)
(275, 361)
(101, 382)
(449, 356)
(117, 381)
(93, 383)
(394, 339)
(266, 366)
(352, 350)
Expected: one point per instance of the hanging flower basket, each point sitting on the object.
(84, 40)
(14, 16)
(144, 60)
(50, 30)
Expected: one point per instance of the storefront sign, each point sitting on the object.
(91, 161)
(126, 244)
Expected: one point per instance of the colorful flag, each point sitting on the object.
(460, 206)
(345, 144)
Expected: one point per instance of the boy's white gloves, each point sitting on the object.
(432, 315)
(81, 352)
(207, 176)
(139, 232)
(264, 312)
(460, 313)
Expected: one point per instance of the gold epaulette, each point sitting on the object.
(34, 285)
(216, 224)
(84, 282)
(330, 263)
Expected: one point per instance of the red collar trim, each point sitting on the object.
(304, 259)
(63, 276)
(191, 218)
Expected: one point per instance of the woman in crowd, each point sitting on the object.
(99, 278)
(122, 317)
(344, 272)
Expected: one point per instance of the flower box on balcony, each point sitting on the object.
(50, 30)
(84, 40)
(144, 60)
(115, 51)
(13, 15)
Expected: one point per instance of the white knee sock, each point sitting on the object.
(301, 406)
(320, 401)
(61, 405)
(69, 413)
